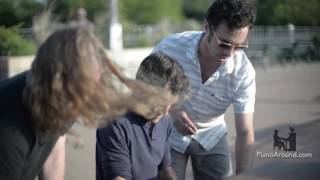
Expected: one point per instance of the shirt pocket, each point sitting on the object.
(220, 100)
(211, 104)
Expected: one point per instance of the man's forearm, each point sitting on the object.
(118, 178)
(54, 167)
(244, 151)
(167, 174)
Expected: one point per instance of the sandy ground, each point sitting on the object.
(286, 96)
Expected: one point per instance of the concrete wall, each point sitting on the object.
(10, 66)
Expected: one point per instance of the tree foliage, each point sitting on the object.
(12, 44)
(151, 11)
(14, 12)
(297, 12)
(66, 10)
(195, 9)
(270, 12)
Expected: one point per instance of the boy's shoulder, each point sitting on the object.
(126, 121)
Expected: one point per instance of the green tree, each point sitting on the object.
(14, 12)
(194, 9)
(280, 12)
(149, 12)
(66, 10)
(12, 44)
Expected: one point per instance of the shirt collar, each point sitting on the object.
(228, 67)
(193, 45)
(192, 53)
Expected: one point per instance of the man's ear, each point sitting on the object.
(206, 27)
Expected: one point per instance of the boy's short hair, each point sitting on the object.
(162, 71)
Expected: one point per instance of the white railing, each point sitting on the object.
(271, 35)
(263, 41)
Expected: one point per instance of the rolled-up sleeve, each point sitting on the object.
(112, 153)
(244, 99)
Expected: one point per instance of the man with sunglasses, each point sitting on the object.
(221, 74)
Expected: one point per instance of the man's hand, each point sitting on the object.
(167, 174)
(184, 124)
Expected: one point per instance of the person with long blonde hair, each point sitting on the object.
(71, 80)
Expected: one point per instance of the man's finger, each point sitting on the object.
(189, 130)
(182, 128)
(188, 123)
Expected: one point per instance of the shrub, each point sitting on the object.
(12, 44)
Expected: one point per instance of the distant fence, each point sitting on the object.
(266, 43)
(271, 39)
(263, 41)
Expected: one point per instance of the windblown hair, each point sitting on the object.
(235, 13)
(72, 78)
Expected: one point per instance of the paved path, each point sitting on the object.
(286, 96)
(287, 167)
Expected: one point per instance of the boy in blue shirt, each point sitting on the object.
(136, 146)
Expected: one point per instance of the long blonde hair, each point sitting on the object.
(62, 87)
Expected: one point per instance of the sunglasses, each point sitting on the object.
(225, 45)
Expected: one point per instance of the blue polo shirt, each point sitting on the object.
(133, 148)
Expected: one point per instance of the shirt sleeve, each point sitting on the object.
(12, 154)
(166, 161)
(244, 99)
(157, 48)
(114, 156)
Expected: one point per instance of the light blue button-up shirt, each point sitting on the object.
(233, 82)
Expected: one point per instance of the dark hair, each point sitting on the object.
(162, 71)
(235, 13)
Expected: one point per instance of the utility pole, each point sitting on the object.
(115, 36)
(291, 29)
